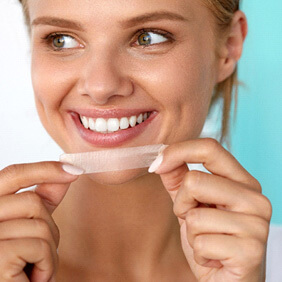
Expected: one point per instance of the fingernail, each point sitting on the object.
(156, 163)
(72, 169)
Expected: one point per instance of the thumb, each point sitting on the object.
(172, 180)
(52, 194)
(173, 170)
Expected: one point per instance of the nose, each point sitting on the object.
(104, 77)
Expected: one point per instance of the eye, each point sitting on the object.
(62, 41)
(151, 38)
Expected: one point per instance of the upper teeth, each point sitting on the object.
(112, 124)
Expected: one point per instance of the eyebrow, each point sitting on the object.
(148, 17)
(57, 22)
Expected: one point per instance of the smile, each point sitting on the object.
(111, 125)
(110, 128)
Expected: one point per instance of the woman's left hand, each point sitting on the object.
(224, 218)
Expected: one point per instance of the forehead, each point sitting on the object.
(110, 9)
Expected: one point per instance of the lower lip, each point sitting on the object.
(111, 139)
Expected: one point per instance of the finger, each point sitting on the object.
(17, 252)
(173, 180)
(26, 205)
(52, 194)
(52, 179)
(248, 252)
(28, 228)
(16, 177)
(211, 221)
(213, 156)
(199, 187)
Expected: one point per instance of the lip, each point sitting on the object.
(111, 139)
(111, 113)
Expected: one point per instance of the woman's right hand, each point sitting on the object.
(28, 233)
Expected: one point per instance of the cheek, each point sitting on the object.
(51, 85)
(184, 75)
(51, 81)
(182, 83)
(47, 82)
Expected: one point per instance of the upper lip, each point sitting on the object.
(110, 113)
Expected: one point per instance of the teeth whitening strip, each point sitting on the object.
(114, 159)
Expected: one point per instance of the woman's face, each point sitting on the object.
(110, 61)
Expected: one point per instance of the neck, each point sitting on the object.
(124, 228)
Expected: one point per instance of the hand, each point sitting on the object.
(28, 234)
(224, 218)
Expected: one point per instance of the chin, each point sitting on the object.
(115, 178)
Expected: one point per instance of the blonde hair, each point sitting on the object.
(223, 11)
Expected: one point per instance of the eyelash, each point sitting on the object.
(163, 33)
(48, 40)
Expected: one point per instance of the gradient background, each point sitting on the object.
(256, 134)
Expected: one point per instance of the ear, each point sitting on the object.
(231, 48)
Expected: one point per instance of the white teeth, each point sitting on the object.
(84, 121)
(112, 124)
(92, 124)
(101, 125)
(140, 118)
(132, 121)
(124, 123)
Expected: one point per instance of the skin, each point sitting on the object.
(125, 226)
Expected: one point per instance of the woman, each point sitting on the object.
(123, 74)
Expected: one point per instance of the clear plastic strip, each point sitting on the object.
(114, 159)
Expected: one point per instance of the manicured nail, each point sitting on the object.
(72, 169)
(156, 163)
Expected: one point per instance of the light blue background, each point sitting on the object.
(257, 134)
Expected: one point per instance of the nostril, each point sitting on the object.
(102, 85)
